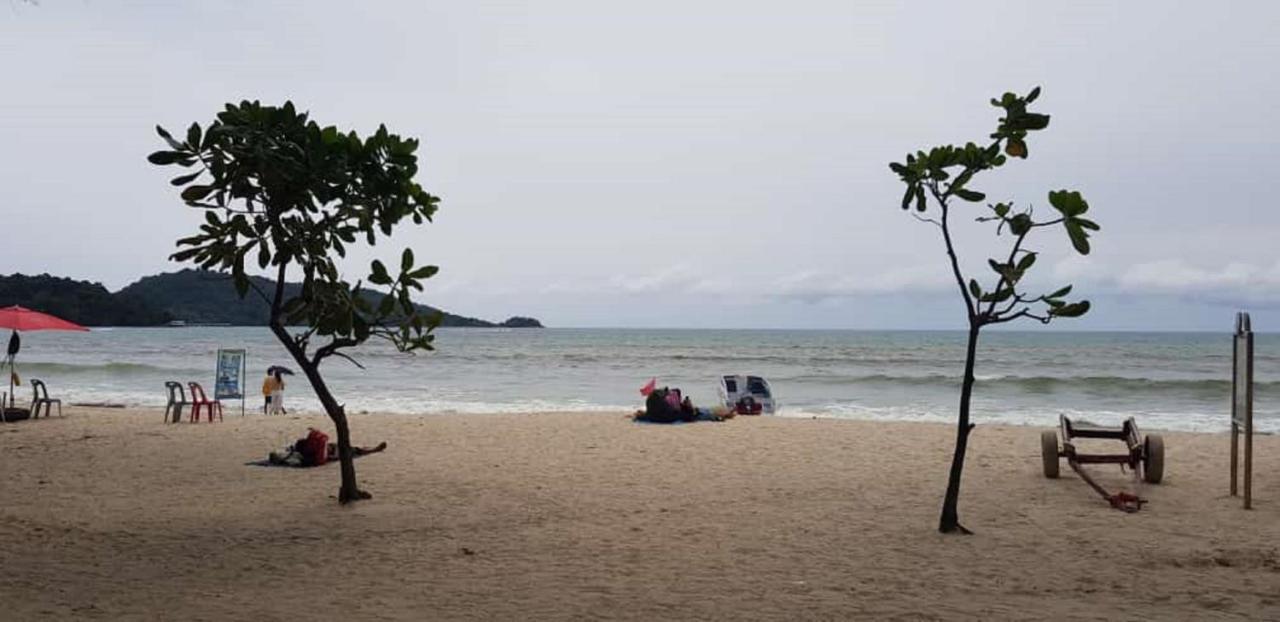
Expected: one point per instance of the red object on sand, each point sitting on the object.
(315, 448)
(648, 388)
(21, 318)
(199, 400)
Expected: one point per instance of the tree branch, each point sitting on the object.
(1017, 300)
(923, 219)
(967, 173)
(1025, 312)
(258, 290)
(349, 359)
(1004, 279)
(951, 253)
(301, 338)
(1013, 254)
(278, 302)
(227, 208)
(332, 348)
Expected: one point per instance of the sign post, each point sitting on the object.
(229, 376)
(1242, 406)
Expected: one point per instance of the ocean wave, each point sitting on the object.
(121, 369)
(1148, 420)
(1036, 383)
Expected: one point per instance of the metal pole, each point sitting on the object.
(1235, 427)
(1248, 421)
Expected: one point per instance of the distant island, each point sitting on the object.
(190, 297)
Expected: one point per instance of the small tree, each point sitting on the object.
(943, 174)
(279, 188)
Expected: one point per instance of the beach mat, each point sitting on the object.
(267, 463)
(680, 422)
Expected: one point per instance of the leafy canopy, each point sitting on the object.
(944, 173)
(278, 188)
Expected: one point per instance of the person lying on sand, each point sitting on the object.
(294, 455)
(332, 450)
(665, 406)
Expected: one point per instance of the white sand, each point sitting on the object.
(113, 514)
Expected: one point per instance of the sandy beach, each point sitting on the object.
(112, 514)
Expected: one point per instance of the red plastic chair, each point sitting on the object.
(198, 399)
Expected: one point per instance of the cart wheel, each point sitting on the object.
(1153, 459)
(1049, 452)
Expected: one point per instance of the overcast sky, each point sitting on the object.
(689, 164)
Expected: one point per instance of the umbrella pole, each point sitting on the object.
(12, 352)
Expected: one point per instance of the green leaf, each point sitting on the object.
(1026, 262)
(906, 198)
(1068, 202)
(163, 158)
(1075, 309)
(387, 305)
(999, 296)
(1035, 92)
(1079, 238)
(168, 138)
(1060, 293)
(1020, 224)
(264, 255)
(241, 281)
(969, 195)
(425, 272)
(920, 204)
(1033, 122)
(183, 180)
(406, 260)
(974, 288)
(346, 322)
(195, 193)
(378, 274)
(1000, 209)
(193, 137)
(185, 254)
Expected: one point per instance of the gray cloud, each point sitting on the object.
(592, 152)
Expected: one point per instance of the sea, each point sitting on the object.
(1172, 381)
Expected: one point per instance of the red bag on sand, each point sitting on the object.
(314, 448)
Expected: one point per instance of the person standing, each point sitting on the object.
(277, 395)
(268, 387)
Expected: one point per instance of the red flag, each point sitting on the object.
(648, 388)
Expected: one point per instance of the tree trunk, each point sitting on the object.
(950, 521)
(349, 491)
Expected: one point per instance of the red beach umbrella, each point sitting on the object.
(20, 318)
(648, 387)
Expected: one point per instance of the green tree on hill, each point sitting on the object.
(943, 174)
(279, 189)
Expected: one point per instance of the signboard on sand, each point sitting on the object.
(228, 380)
(1242, 405)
